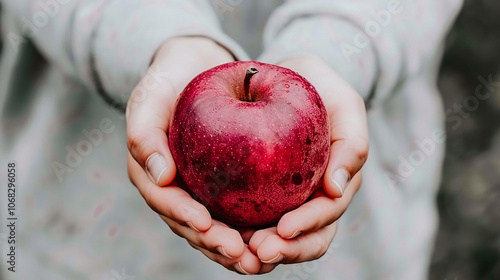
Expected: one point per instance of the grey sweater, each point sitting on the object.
(66, 63)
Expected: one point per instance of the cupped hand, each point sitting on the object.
(150, 164)
(305, 233)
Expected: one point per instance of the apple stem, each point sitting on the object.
(246, 85)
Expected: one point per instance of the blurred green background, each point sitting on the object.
(468, 243)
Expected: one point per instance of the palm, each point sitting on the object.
(298, 237)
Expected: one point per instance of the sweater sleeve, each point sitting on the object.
(107, 45)
(373, 44)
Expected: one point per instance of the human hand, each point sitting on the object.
(305, 233)
(150, 164)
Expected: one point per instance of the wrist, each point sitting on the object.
(300, 61)
(203, 47)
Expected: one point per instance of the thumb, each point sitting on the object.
(350, 144)
(148, 116)
(347, 156)
(152, 103)
(348, 124)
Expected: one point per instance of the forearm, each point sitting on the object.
(108, 45)
(372, 44)
(325, 37)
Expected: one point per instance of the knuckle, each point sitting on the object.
(360, 147)
(130, 174)
(257, 237)
(278, 243)
(201, 241)
(186, 211)
(175, 229)
(137, 96)
(148, 198)
(135, 143)
(192, 245)
(132, 138)
(359, 101)
(150, 203)
(322, 252)
(320, 248)
(234, 234)
(127, 111)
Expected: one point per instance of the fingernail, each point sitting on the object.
(295, 234)
(340, 178)
(223, 251)
(156, 166)
(239, 268)
(192, 226)
(276, 259)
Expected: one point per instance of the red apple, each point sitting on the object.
(250, 141)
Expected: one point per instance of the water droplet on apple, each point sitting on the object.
(287, 85)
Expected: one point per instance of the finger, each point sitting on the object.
(149, 110)
(219, 238)
(259, 236)
(247, 263)
(348, 153)
(152, 102)
(349, 137)
(184, 58)
(216, 257)
(320, 211)
(170, 201)
(274, 249)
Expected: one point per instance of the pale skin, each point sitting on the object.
(301, 235)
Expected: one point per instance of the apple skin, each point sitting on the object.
(249, 162)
